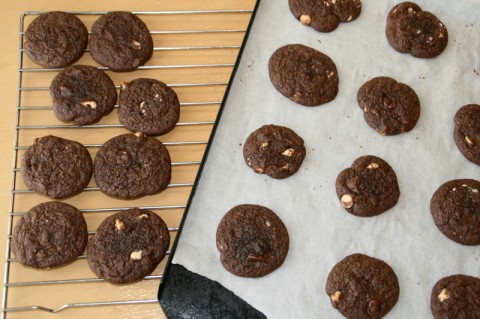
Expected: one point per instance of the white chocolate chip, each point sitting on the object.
(91, 104)
(142, 104)
(333, 1)
(139, 134)
(330, 74)
(372, 166)
(440, 35)
(419, 31)
(142, 216)
(347, 201)
(136, 255)
(288, 152)
(264, 144)
(469, 141)
(156, 96)
(349, 18)
(305, 19)
(259, 170)
(365, 109)
(285, 167)
(443, 295)
(136, 44)
(268, 223)
(119, 225)
(336, 298)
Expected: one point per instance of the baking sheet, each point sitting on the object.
(321, 231)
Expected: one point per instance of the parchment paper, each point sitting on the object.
(321, 231)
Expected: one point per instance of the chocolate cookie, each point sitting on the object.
(82, 94)
(56, 167)
(148, 106)
(368, 188)
(456, 296)
(389, 107)
(55, 39)
(274, 150)
(304, 75)
(467, 132)
(455, 207)
(121, 41)
(128, 246)
(132, 165)
(412, 30)
(51, 234)
(252, 241)
(325, 16)
(362, 287)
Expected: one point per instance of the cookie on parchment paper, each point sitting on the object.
(55, 39)
(121, 41)
(467, 132)
(304, 75)
(128, 246)
(252, 241)
(362, 287)
(456, 296)
(368, 188)
(455, 208)
(325, 16)
(389, 107)
(412, 30)
(274, 150)
(49, 235)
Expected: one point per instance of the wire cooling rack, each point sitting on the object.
(197, 64)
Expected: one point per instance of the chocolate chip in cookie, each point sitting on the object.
(252, 241)
(325, 15)
(389, 107)
(274, 150)
(412, 30)
(368, 188)
(304, 75)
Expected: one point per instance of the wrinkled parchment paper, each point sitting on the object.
(321, 231)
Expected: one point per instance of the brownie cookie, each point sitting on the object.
(82, 94)
(455, 207)
(456, 296)
(412, 30)
(304, 75)
(274, 150)
(129, 166)
(121, 41)
(325, 16)
(252, 241)
(128, 246)
(362, 287)
(467, 132)
(51, 234)
(389, 107)
(368, 188)
(148, 106)
(55, 39)
(56, 167)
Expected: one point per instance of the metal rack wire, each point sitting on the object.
(21, 130)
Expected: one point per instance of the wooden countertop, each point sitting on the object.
(201, 105)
